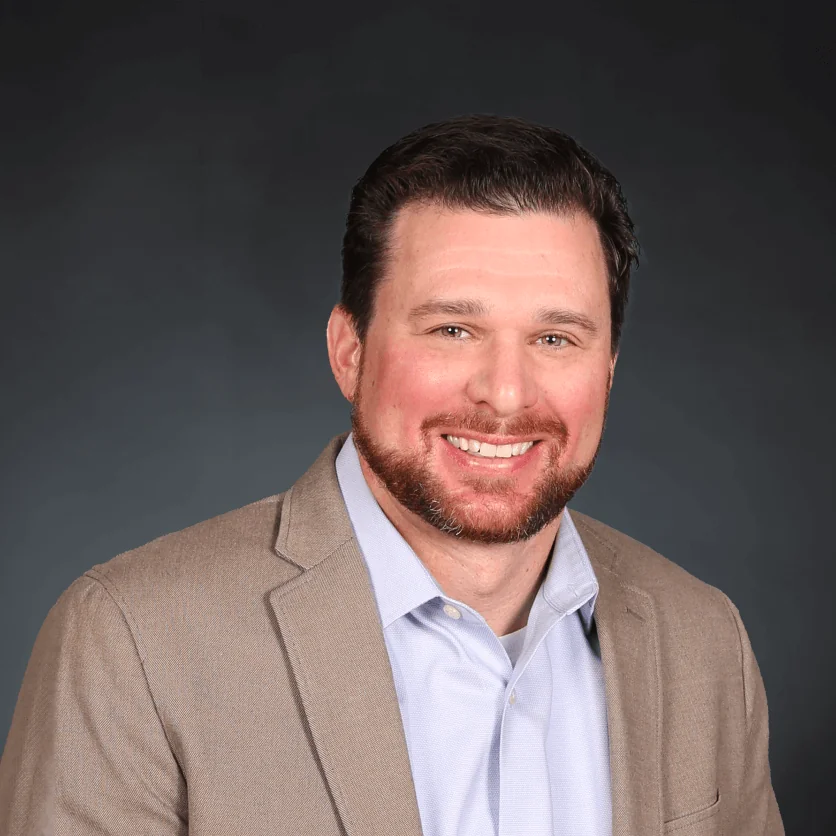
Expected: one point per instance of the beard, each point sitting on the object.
(499, 513)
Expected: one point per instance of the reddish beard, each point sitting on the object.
(490, 520)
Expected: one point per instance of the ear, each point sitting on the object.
(344, 351)
(613, 361)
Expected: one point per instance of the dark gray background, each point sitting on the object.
(173, 183)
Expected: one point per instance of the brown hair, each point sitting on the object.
(493, 164)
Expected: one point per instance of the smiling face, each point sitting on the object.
(481, 388)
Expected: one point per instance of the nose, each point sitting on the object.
(503, 379)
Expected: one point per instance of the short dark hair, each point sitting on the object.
(492, 164)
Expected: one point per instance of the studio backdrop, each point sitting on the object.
(173, 187)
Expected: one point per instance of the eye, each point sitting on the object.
(454, 332)
(554, 340)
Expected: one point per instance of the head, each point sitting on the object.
(486, 265)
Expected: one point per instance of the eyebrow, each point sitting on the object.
(561, 316)
(473, 307)
(448, 307)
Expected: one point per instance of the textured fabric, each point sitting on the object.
(513, 644)
(233, 678)
(495, 747)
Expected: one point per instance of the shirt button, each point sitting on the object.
(513, 698)
(452, 611)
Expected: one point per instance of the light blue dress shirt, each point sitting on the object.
(506, 736)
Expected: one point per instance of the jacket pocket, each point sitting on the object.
(701, 815)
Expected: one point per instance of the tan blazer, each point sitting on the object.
(232, 678)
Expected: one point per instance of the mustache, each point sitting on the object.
(481, 422)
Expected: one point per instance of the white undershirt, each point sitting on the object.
(513, 644)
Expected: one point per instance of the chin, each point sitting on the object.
(486, 521)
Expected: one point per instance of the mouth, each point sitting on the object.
(487, 450)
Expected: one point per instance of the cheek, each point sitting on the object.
(403, 388)
(580, 404)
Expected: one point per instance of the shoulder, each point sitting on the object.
(224, 562)
(249, 528)
(684, 604)
(637, 563)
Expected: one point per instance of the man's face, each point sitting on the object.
(481, 389)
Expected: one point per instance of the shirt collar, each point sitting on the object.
(401, 582)
(399, 579)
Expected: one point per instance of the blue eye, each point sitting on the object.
(554, 340)
(453, 331)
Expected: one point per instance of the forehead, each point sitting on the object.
(435, 250)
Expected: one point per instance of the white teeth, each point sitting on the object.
(489, 451)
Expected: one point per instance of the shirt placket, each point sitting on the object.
(524, 792)
(525, 804)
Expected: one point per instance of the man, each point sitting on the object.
(417, 636)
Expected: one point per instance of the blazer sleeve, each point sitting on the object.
(87, 752)
(757, 808)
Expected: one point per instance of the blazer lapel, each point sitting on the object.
(626, 624)
(331, 631)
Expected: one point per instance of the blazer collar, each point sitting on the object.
(314, 522)
(331, 631)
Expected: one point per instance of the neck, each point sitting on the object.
(499, 581)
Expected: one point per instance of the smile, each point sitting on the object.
(489, 451)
